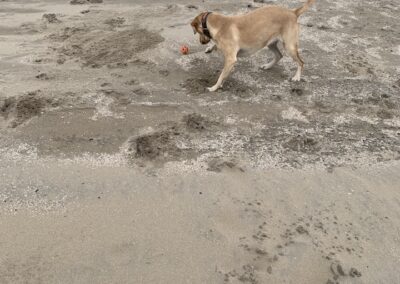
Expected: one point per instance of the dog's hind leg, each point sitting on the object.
(277, 55)
(291, 43)
(294, 53)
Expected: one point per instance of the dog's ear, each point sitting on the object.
(194, 25)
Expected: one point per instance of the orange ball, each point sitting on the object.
(184, 49)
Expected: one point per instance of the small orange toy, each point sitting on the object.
(184, 49)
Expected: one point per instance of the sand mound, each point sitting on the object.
(161, 145)
(100, 48)
(174, 141)
(195, 121)
(19, 110)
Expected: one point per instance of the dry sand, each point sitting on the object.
(116, 166)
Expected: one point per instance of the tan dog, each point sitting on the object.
(248, 33)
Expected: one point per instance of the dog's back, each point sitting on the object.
(270, 21)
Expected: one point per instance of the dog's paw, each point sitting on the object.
(267, 66)
(211, 49)
(212, 89)
(208, 50)
(296, 79)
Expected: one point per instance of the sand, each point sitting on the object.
(117, 166)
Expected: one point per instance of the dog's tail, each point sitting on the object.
(304, 8)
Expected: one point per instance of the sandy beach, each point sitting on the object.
(118, 166)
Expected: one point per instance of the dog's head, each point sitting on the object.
(198, 28)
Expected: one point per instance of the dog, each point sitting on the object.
(248, 33)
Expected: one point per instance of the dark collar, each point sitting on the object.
(206, 31)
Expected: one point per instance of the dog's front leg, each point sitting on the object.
(211, 48)
(229, 63)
